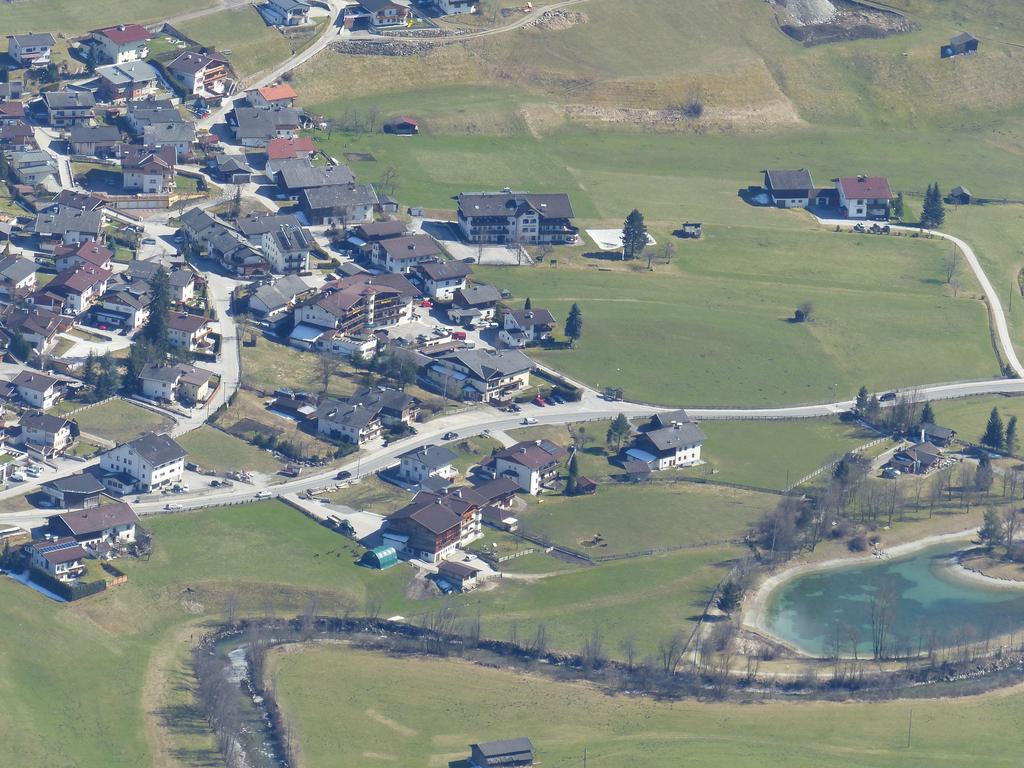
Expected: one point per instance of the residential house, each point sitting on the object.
(38, 326)
(278, 95)
(69, 225)
(94, 140)
(189, 332)
(147, 111)
(32, 166)
(532, 464)
(110, 523)
(427, 464)
(356, 304)
(378, 14)
(201, 74)
(677, 445)
(44, 434)
(119, 83)
(460, 576)
(433, 525)
(474, 302)
(183, 284)
(280, 150)
(255, 225)
(149, 170)
(198, 226)
(481, 375)
(285, 13)
(80, 201)
(344, 204)
(521, 327)
(668, 418)
(272, 301)
(789, 188)
(403, 254)
(234, 254)
(87, 253)
(176, 382)
(121, 44)
(917, 459)
(287, 249)
(364, 416)
(74, 491)
(441, 279)
(181, 136)
(18, 137)
(62, 558)
(230, 169)
(938, 436)
(366, 236)
(147, 463)
(124, 305)
(294, 176)
(12, 90)
(31, 50)
(17, 276)
(508, 753)
(960, 45)
(452, 7)
(80, 286)
(37, 389)
(11, 113)
(864, 197)
(256, 127)
(66, 108)
(516, 217)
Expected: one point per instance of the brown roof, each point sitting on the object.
(284, 149)
(532, 455)
(457, 569)
(125, 33)
(865, 188)
(98, 518)
(63, 550)
(182, 321)
(34, 380)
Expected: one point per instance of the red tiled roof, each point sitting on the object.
(865, 188)
(278, 92)
(286, 149)
(125, 33)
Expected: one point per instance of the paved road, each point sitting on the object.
(995, 306)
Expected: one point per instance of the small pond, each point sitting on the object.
(907, 604)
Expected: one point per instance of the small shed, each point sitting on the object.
(381, 558)
(960, 45)
(585, 486)
(460, 575)
(960, 196)
(402, 126)
(692, 229)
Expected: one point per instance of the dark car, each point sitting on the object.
(343, 475)
(450, 436)
(887, 397)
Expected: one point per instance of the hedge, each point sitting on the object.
(69, 592)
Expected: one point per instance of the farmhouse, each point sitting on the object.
(120, 44)
(427, 462)
(293, 176)
(532, 464)
(789, 189)
(917, 459)
(66, 108)
(522, 327)
(111, 523)
(60, 558)
(441, 279)
(147, 463)
(677, 445)
(38, 389)
(176, 382)
(516, 217)
(74, 491)
(31, 50)
(342, 204)
(481, 375)
(508, 753)
(434, 525)
(864, 197)
(44, 434)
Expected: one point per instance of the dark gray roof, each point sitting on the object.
(505, 747)
(432, 456)
(168, 374)
(32, 39)
(410, 247)
(258, 224)
(38, 382)
(94, 133)
(291, 237)
(675, 436)
(80, 483)
(80, 200)
(191, 62)
(528, 318)
(253, 123)
(962, 38)
(16, 269)
(69, 99)
(375, 5)
(444, 270)
(338, 196)
(43, 422)
(68, 220)
(934, 430)
(666, 419)
(231, 164)
(486, 365)
(477, 295)
(301, 174)
(168, 133)
(128, 72)
(157, 449)
(792, 180)
(550, 206)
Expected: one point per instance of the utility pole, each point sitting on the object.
(910, 727)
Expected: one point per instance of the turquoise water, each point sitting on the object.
(927, 606)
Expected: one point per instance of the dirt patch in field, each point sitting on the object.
(754, 119)
(360, 157)
(816, 22)
(557, 20)
(387, 722)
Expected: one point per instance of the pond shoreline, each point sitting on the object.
(755, 609)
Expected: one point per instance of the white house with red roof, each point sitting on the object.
(864, 197)
(122, 43)
(280, 95)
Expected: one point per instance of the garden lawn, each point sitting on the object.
(121, 421)
(214, 450)
(432, 709)
(270, 365)
(622, 518)
(254, 46)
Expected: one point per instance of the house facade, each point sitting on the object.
(31, 50)
(121, 43)
(533, 465)
(865, 197)
(188, 332)
(286, 13)
(201, 74)
(44, 434)
(441, 279)
(789, 188)
(67, 108)
(434, 525)
(428, 461)
(149, 170)
(111, 523)
(37, 389)
(481, 375)
(521, 327)
(74, 491)
(147, 463)
(516, 217)
(404, 254)
(287, 249)
(676, 445)
(62, 558)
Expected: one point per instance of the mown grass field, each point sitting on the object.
(254, 46)
(121, 421)
(431, 710)
(214, 450)
(969, 416)
(77, 17)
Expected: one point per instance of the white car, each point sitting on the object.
(18, 477)
(528, 420)
(264, 495)
(173, 507)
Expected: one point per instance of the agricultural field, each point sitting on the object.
(121, 421)
(412, 722)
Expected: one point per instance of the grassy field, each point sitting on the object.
(121, 421)
(269, 365)
(212, 449)
(404, 722)
(254, 46)
(247, 406)
(969, 415)
(61, 16)
(373, 495)
(628, 518)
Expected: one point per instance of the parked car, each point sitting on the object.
(515, 408)
(149, 241)
(343, 475)
(18, 477)
(538, 400)
(459, 335)
(528, 420)
(173, 507)
(264, 495)
(450, 436)
(427, 304)
(888, 396)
